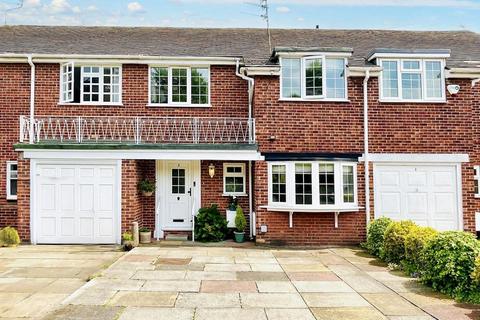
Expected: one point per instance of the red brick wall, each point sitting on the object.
(131, 197)
(338, 127)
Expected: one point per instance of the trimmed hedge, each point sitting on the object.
(394, 241)
(415, 241)
(447, 261)
(375, 235)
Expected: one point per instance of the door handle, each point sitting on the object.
(190, 192)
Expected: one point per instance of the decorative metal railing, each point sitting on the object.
(138, 130)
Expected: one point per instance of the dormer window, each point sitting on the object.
(313, 78)
(415, 80)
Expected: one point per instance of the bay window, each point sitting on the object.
(187, 86)
(316, 77)
(412, 80)
(90, 84)
(312, 185)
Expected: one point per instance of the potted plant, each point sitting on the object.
(147, 187)
(145, 235)
(232, 211)
(240, 223)
(127, 239)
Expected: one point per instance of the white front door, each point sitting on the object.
(75, 203)
(425, 194)
(177, 196)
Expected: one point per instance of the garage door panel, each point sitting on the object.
(426, 194)
(76, 203)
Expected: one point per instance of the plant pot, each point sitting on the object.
(147, 193)
(239, 236)
(146, 237)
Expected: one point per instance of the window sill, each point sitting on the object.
(477, 196)
(314, 100)
(311, 210)
(86, 104)
(158, 105)
(412, 101)
(11, 198)
(234, 195)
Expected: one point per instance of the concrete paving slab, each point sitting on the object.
(272, 300)
(208, 300)
(114, 284)
(143, 299)
(35, 305)
(261, 276)
(171, 285)
(322, 286)
(289, 314)
(89, 297)
(228, 286)
(159, 275)
(275, 287)
(211, 275)
(228, 267)
(73, 312)
(304, 268)
(313, 276)
(456, 312)
(262, 260)
(334, 300)
(365, 284)
(357, 313)
(230, 313)
(149, 313)
(391, 304)
(265, 267)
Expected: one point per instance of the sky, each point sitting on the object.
(345, 14)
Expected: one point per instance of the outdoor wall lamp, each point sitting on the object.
(211, 170)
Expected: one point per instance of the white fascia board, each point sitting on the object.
(125, 59)
(301, 54)
(238, 155)
(417, 157)
(262, 70)
(361, 71)
(409, 56)
(463, 73)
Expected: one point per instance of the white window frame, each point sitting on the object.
(323, 97)
(170, 103)
(64, 91)
(234, 174)
(422, 71)
(476, 177)
(290, 186)
(101, 84)
(9, 179)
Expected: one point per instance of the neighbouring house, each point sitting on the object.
(315, 136)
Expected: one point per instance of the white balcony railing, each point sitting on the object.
(138, 130)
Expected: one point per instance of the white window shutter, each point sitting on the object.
(67, 82)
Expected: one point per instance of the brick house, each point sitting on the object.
(316, 136)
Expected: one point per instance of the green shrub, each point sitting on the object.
(9, 237)
(449, 261)
(476, 272)
(143, 229)
(375, 235)
(394, 242)
(146, 186)
(127, 236)
(240, 221)
(415, 241)
(210, 225)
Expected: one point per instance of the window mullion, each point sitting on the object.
(189, 83)
(290, 178)
(315, 185)
(338, 173)
(101, 73)
(400, 80)
(169, 85)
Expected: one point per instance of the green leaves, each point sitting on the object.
(210, 225)
(375, 235)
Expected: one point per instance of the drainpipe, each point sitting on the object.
(251, 84)
(32, 97)
(365, 147)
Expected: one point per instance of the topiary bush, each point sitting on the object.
(240, 221)
(394, 241)
(449, 261)
(9, 237)
(210, 225)
(415, 241)
(375, 235)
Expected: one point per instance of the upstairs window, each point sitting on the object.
(90, 84)
(12, 178)
(316, 77)
(179, 86)
(412, 80)
(234, 179)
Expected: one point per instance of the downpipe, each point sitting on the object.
(365, 146)
(32, 98)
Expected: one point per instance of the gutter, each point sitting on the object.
(251, 85)
(32, 97)
(365, 141)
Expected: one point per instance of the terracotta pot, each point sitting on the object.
(146, 237)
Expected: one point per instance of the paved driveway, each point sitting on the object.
(34, 280)
(238, 283)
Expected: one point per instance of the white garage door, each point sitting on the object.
(425, 194)
(76, 203)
